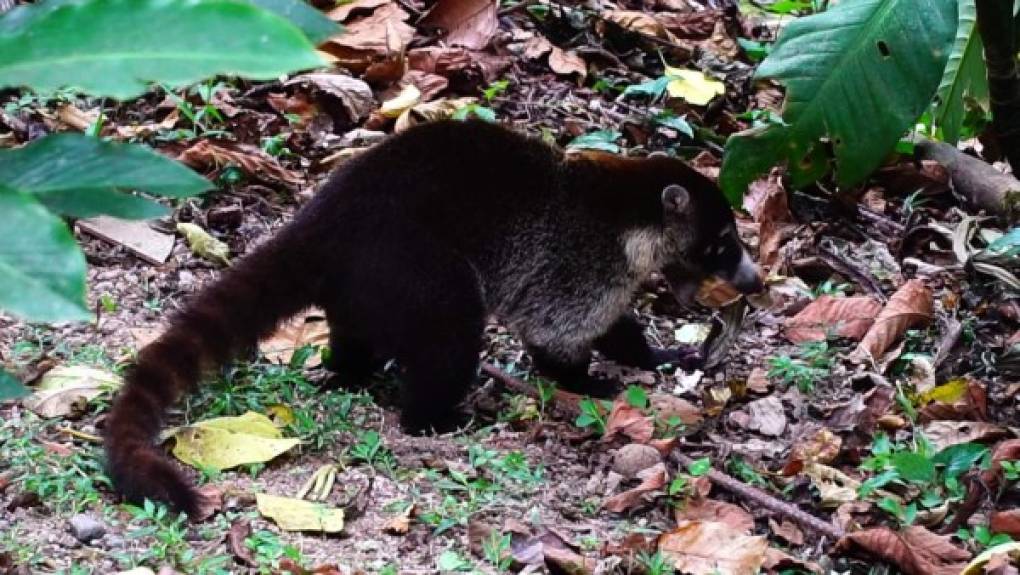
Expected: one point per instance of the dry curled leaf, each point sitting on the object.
(379, 37)
(788, 531)
(467, 23)
(708, 547)
(239, 531)
(567, 62)
(627, 420)
(915, 550)
(843, 316)
(640, 22)
(909, 307)
(652, 479)
(943, 434)
(207, 154)
(307, 328)
(354, 95)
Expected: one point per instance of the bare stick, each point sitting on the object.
(981, 184)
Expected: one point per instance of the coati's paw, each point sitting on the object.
(419, 422)
(597, 387)
(686, 357)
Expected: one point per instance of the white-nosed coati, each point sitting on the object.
(411, 245)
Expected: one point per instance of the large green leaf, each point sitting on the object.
(858, 74)
(79, 176)
(964, 74)
(42, 271)
(10, 387)
(117, 47)
(312, 22)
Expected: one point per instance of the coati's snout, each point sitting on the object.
(715, 249)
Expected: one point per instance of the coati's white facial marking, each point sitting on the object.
(643, 249)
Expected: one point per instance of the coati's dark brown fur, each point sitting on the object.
(410, 246)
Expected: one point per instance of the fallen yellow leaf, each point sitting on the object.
(408, 97)
(292, 514)
(693, 86)
(203, 244)
(226, 442)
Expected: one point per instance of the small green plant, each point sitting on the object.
(267, 550)
(205, 118)
(982, 537)
(450, 560)
(371, 451)
(636, 397)
(830, 288)
(166, 530)
(593, 414)
(699, 467)
(1010, 470)
(496, 549)
(276, 145)
(483, 111)
(813, 362)
(745, 471)
(655, 563)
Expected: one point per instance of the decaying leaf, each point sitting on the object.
(909, 307)
(625, 419)
(467, 23)
(354, 95)
(567, 62)
(652, 479)
(943, 434)
(709, 547)
(667, 406)
(236, 535)
(308, 328)
(716, 293)
(203, 244)
(378, 37)
(226, 442)
(766, 201)
(207, 154)
(1009, 553)
(64, 389)
(292, 514)
(915, 550)
(431, 112)
(820, 447)
(788, 531)
(409, 96)
(704, 509)
(640, 22)
(842, 316)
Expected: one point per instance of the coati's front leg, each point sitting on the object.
(352, 360)
(569, 369)
(625, 343)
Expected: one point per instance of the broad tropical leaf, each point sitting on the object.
(965, 74)
(312, 22)
(80, 176)
(10, 387)
(127, 44)
(42, 271)
(858, 74)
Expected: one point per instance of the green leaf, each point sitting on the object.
(877, 482)
(748, 155)
(10, 387)
(699, 467)
(637, 396)
(960, 458)
(964, 74)
(42, 271)
(913, 466)
(671, 120)
(604, 140)
(653, 88)
(859, 74)
(312, 22)
(80, 176)
(127, 44)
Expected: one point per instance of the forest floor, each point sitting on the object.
(896, 447)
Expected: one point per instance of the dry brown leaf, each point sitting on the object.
(239, 531)
(627, 420)
(943, 434)
(536, 47)
(430, 112)
(708, 547)
(788, 531)
(468, 23)
(916, 551)
(702, 509)
(640, 22)
(693, 25)
(209, 154)
(652, 479)
(567, 560)
(767, 416)
(716, 293)
(354, 95)
(1005, 451)
(308, 328)
(429, 85)
(766, 201)
(910, 306)
(667, 406)
(343, 12)
(567, 62)
(1007, 522)
(379, 37)
(821, 447)
(777, 561)
(843, 316)
(758, 380)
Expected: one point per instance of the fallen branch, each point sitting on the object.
(981, 184)
(766, 500)
(568, 403)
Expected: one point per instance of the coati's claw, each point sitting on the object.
(685, 357)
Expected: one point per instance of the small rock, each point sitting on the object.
(85, 528)
(113, 541)
(634, 458)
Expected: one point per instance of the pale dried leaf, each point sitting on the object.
(292, 514)
(916, 551)
(66, 389)
(708, 547)
(788, 531)
(255, 162)
(308, 328)
(354, 95)
(203, 244)
(468, 23)
(627, 420)
(653, 479)
(567, 62)
(702, 509)
(640, 22)
(943, 434)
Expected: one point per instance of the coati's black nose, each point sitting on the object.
(746, 278)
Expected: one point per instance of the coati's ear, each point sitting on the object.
(676, 199)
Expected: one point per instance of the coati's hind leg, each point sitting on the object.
(569, 369)
(352, 359)
(625, 343)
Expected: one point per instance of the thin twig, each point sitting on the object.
(954, 329)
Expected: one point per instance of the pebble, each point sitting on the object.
(85, 528)
(634, 458)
